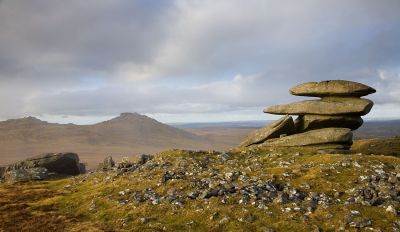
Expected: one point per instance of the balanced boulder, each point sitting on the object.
(324, 124)
(325, 106)
(311, 122)
(284, 125)
(332, 88)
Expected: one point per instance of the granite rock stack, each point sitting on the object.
(325, 123)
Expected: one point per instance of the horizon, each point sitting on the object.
(188, 61)
(184, 123)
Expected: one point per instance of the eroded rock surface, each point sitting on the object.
(314, 137)
(30, 169)
(284, 125)
(325, 106)
(332, 88)
(312, 122)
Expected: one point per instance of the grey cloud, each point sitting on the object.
(100, 57)
(58, 36)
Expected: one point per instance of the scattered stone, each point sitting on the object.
(360, 222)
(107, 164)
(145, 220)
(391, 209)
(224, 220)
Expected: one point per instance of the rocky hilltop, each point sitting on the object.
(251, 189)
(324, 124)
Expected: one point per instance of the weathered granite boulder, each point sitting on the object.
(23, 175)
(284, 125)
(312, 122)
(325, 106)
(107, 164)
(314, 137)
(323, 124)
(60, 163)
(332, 88)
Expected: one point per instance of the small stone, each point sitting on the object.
(267, 229)
(224, 220)
(360, 223)
(214, 216)
(355, 212)
(145, 220)
(193, 195)
(391, 209)
(392, 179)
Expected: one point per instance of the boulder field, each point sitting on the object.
(324, 123)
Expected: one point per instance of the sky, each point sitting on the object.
(190, 60)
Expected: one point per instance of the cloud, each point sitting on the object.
(100, 57)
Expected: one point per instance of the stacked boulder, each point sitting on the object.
(325, 123)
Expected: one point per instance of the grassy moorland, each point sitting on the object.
(256, 189)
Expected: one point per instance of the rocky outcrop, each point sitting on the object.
(125, 165)
(325, 123)
(41, 166)
(285, 125)
(107, 164)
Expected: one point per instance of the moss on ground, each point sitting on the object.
(93, 202)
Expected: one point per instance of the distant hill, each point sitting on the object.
(125, 135)
(132, 134)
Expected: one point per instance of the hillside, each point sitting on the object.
(126, 135)
(254, 189)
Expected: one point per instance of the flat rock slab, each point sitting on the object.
(284, 125)
(325, 136)
(332, 88)
(325, 106)
(311, 122)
